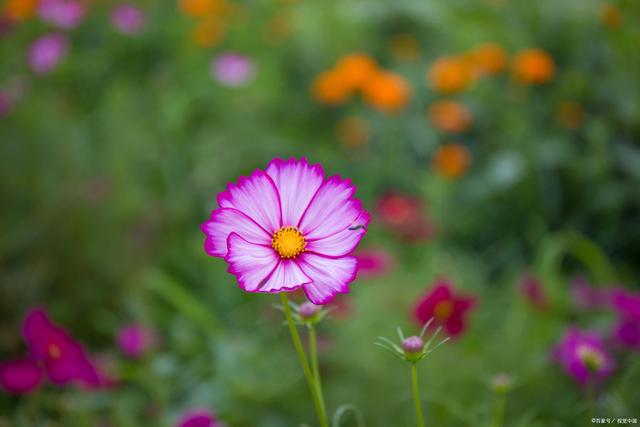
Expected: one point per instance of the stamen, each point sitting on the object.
(288, 242)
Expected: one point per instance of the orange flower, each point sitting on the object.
(405, 47)
(353, 132)
(570, 114)
(19, 10)
(386, 91)
(331, 88)
(355, 69)
(533, 66)
(208, 33)
(610, 15)
(449, 74)
(200, 8)
(449, 116)
(451, 160)
(489, 58)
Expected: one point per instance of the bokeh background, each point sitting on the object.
(496, 143)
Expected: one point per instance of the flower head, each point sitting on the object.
(373, 262)
(501, 383)
(583, 356)
(201, 8)
(386, 91)
(64, 14)
(405, 216)
(533, 66)
(20, 376)
(532, 290)
(287, 228)
(414, 348)
(356, 69)
(488, 58)
(46, 52)
(135, 340)
(627, 330)
(128, 19)
(330, 88)
(450, 116)
(588, 297)
(20, 10)
(452, 160)
(445, 307)
(199, 418)
(450, 75)
(233, 69)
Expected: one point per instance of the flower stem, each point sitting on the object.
(498, 410)
(313, 349)
(590, 400)
(313, 385)
(416, 394)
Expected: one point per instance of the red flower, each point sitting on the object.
(445, 307)
(533, 292)
(405, 216)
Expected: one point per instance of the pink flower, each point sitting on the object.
(373, 262)
(135, 340)
(583, 356)
(588, 297)
(445, 307)
(47, 52)
(405, 216)
(627, 330)
(199, 418)
(20, 376)
(128, 19)
(232, 69)
(64, 14)
(289, 228)
(533, 292)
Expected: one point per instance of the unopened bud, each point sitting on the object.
(412, 345)
(501, 383)
(308, 310)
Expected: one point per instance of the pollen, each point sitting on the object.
(443, 310)
(288, 242)
(54, 351)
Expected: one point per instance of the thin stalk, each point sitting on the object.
(317, 399)
(498, 410)
(416, 394)
(313, 349)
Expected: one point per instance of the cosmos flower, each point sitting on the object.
(447, 308)
(405, 216)
(627, 306)
(588, 297)
(452, 160)
(288, 228)
(199, 418)
(386, 91)
(583, 356)
(46, 52)
(135, 340)
(20, 376)
(19, 10)
(233, 69)
(532, 290)
(356, 69)
(128, 19)
(64, 14)
(533, 66)
(450, 74)
(488, 58)
(373, 262)
(450, 116)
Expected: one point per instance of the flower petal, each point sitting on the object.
(286, 277)
(252, 264)
(331, 210)
(256, 197)
(343, 242)
(20, 376)
(297, 182)
(226, 221)
(330, 276)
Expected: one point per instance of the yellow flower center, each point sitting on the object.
(54, 351)
(288, 242)
(443, 310)
(591, 357)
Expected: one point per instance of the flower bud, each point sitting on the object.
(412, 345)
(501, 383)
(308, 310)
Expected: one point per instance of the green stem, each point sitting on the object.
(498, 410)
(590, 399)
(313, 349)
(313, 386)
(416, 394)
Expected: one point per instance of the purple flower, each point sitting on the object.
(64, 14)
(287, 228)
(199, 418)
(47, 52)
(20, 376)
(627, 305)
(533, 292)
(232, 69)
(587, 297)
(135, 340)
(583, 356)
(128, 19)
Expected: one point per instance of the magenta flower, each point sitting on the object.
(373, 262)
(583, 356)
(128, 19)
(588, 297)
(627, 330)
(405, 216)
(47, 52)
(233, 69)
(199, 418)
(135, 340)
(20, 376)
(289, 228)
(533, 292)
(64, 14)
(446, 308)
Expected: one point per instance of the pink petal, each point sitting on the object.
(286, 277)
(331, 210)
(297, 182)
(250, 263)
(20, 376)
(226, 221)
(343, 242)
(257, 197)
(330, 276)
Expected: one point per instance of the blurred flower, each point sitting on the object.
(20, 376)
(488, 58)
(386, 91)
(501, 383)
(19, 10)
(533, 292)
(405, 47)
(450, 116)
(6, 25)
(46, 52)
(233, 69)
(356, 69)
(627, 306)
(353, 132)
(201, 8)
(330, 88)
(451, 160)
(128, 19)
(587, 297)
(209, 32)
(447, 308)
(570, 114)
(135, 340)
(307, 310)
(532, 66)
(199, 418)
(405, 216)
(373, 262)
(65, 14)
(449, 74)
(583, 356)
(5, 104)
(412, 345)
(610, 15)
(287, 228)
